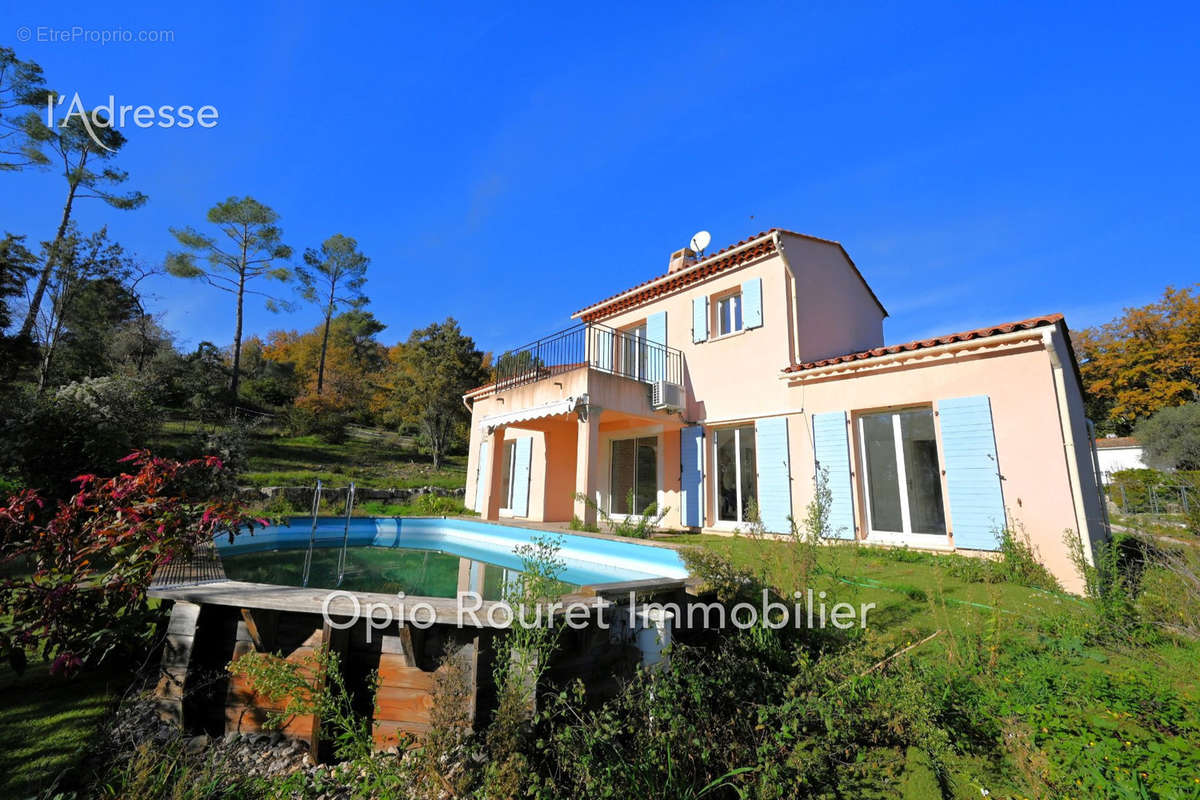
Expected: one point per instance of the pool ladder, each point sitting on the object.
(345, 534)
(312, 534)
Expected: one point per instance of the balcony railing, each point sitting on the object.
(624, 353)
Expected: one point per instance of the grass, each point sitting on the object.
(46, 723)
(372, 459)
(1119, 714)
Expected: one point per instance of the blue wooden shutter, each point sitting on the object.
(481, 475)
(691, 476)
(521, 455)
(700, 319)
(604, 348)
(774, 474)
(752, 303)
(831, 444)
(656, 353)
(972, 472)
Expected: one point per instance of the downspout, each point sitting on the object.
(1068, 441)
(1099, 484)
(793, 298)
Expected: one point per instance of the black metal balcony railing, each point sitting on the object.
(625, 353)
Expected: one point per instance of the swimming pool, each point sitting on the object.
(425, 556)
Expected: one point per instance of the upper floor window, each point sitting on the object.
(729, 314)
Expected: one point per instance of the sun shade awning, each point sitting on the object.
(564, 406)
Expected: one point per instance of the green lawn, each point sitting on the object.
(372, 459)
(46, 722)
(1122, 713)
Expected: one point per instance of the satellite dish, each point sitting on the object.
(700, 241)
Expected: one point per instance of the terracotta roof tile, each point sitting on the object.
(978, 333)
(694, 273)
(1117, 441)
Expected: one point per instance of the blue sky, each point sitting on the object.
(508, 164)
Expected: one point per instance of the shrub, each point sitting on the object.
(85, 426)
(95, 557)
(324, 415)
(1171, 437)
(437, 505)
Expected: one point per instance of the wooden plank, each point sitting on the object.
(403, 704)
(183, 618)
(251, 628)
(248, 719)
(242, 594)
(402, 677)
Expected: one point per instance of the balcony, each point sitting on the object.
(625, 354)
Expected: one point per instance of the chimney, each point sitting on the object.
(680, 259)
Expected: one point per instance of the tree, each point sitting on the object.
(84, 150)
(253, 249)
(355, 364)
(17, 265)
(1171, 437)
(1145, 360)
(92, 288)
(333, 276)
(22, 89)
(434, 368)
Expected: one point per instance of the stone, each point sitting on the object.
(196, 744)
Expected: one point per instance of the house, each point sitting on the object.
(724, 387)
(1115, 453)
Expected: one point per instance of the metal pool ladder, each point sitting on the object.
(345, 534)
(312, 535)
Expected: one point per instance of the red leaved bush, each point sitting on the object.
(79, 576)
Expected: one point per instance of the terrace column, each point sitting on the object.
(587, 462)
(489, 483)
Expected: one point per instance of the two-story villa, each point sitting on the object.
(722, 388)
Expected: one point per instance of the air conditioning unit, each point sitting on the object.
(666, 396)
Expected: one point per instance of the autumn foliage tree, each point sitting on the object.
(1145, 360)
(78, 594)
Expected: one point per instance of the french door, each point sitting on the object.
(903, 478)
(737, 477)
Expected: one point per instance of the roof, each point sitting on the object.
(965, 336)
(1115, 442)
(749, 249)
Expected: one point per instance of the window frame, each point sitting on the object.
(724, 524)
(733, 296)
(929, 541)
(612, 462)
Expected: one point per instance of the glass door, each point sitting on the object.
(903, 477)
(634, 352)
(737, 477)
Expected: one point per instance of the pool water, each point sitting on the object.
(427, 573)
(423, 556)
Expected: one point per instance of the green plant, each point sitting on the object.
(522, 658)
(314, 685)
(94, 557)
(632, 526)
(437, 505)
(577, 524)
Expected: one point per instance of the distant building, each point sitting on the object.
(1117, 453)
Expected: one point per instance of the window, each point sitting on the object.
(729, 314)
(737, 478)
(507, 479)
(634, 475)
(903, 474)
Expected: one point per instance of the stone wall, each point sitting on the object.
(302, 495)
